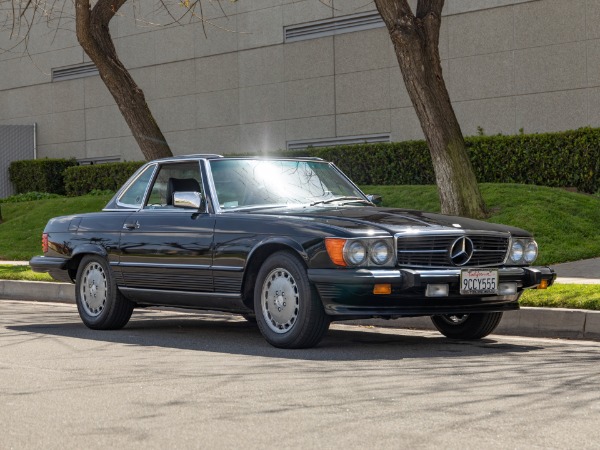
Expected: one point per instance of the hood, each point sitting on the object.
(391, 220)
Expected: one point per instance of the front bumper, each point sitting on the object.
(349, 292)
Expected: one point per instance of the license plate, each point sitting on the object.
(478, 281)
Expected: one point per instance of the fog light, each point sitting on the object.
(382, 289)
(507, 288)
(436, 290)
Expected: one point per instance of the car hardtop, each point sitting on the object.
(115, 204)
(211, 156)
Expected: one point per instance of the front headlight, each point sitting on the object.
(361, 252)
(531, 252)
(380, 253)
(523, 251)
(516, 251)
(355, 252)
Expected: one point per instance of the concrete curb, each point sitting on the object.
(43, 291)
(536, 322)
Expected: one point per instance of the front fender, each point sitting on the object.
(277, 242)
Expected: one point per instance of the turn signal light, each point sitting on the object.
(543, 284)
(382, 289)
(45, 242)
(335, 250)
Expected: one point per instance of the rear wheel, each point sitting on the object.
(288, 309)
(100, 304)
(467, 326)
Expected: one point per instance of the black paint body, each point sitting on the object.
(209, 259)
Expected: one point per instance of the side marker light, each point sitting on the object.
(382, 289)
(543, 284)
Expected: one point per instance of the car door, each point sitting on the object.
(164, 248)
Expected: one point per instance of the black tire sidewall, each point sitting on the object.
(476, 326)
(307, 307)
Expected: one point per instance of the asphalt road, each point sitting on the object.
(175, 380)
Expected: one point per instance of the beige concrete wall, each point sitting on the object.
(235, 86)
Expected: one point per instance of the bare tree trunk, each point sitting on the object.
(93, 34)
(416, 42)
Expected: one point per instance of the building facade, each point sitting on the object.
(275, 74)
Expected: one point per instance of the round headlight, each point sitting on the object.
(516, 251)
(380, 252)
(355, 253)
(531, 251)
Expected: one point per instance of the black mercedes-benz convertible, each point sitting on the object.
(290, 243)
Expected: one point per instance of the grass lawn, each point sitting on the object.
(10, 272)
(576, 296)
(23, 223)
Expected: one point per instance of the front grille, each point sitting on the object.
(434, 250)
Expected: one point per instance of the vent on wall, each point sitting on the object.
(331, 142)
(77, 71)
(336, 25)
(98, 160)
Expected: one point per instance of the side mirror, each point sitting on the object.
(191, 200)
(375, 199)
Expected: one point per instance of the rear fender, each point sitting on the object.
(80, 251)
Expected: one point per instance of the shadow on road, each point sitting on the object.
(230, 334)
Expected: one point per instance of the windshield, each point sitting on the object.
(242, 183)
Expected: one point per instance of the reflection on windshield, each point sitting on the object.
(244, 183)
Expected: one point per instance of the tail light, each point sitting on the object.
(45, 242)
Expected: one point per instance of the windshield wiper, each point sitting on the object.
(339, 199)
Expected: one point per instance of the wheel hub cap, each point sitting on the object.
(455, 319)
(93, 289)
(280, 300)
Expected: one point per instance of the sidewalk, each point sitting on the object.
(586, 271)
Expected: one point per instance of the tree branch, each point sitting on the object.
(104, 10)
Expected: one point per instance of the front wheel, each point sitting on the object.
(100, 304)
(467, 326)
(288, 309)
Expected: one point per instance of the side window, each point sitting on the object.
(134, 195)
(174, 177)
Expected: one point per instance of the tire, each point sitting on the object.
(100, 304)
(467, 326)
(289, 312)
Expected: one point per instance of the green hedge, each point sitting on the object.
(42, 175)
(81, 180)
(565, 159)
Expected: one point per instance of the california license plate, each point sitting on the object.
(478, 281)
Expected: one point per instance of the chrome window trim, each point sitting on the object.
(153, 179)
(128, 185)
(213, 190)
(211, 187)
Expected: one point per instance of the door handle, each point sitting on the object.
(131, 225)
